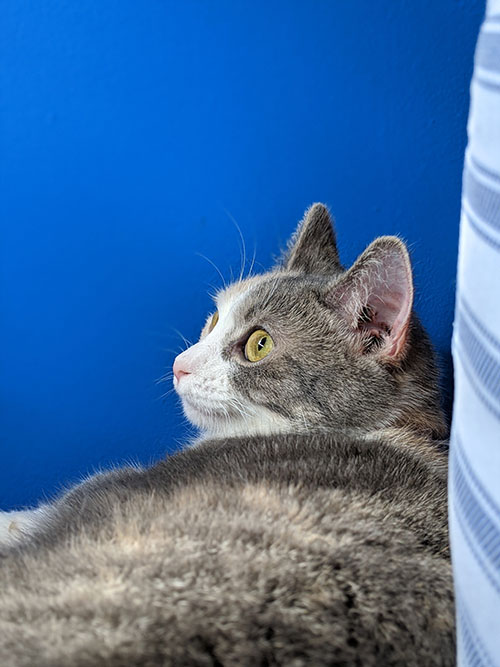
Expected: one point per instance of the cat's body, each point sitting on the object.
(319, 537)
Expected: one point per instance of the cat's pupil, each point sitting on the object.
(262, 342)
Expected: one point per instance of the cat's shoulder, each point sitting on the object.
(382, 459)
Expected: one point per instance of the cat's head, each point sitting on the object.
(310, 345)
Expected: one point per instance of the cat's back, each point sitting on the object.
(279, 550)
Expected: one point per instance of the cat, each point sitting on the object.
(307, 525)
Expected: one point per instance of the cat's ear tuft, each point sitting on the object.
(313, 247)
(375, 297)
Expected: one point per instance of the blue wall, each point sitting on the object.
(129, 130)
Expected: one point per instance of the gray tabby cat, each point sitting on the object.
(308, 526)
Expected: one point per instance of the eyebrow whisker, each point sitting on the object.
(207, 259)
(243, 253)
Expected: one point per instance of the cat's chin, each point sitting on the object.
(202, 417)
(215, 423)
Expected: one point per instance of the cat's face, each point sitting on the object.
(307, 345)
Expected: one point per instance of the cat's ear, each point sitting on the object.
(375, 297)
(313, 247)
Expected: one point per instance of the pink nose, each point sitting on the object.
(179, 371)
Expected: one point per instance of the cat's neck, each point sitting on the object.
(407, 438)
(249, 426)
(430, 444)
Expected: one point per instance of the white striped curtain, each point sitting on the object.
(474, 486)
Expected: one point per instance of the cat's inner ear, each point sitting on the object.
(375, 297)
(313, 247)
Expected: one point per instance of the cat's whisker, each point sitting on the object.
(165, 378)
(243, 253)
(274, 286)
(164, 334)
(171, 350)
(187, 342)
(215, 267)
(252, 263)
(167, 393)
(238, 406)
(259, 264)
(213, 291)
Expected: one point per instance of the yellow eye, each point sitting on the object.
(258, 345)
(213, 321)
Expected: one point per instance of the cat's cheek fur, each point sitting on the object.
(208, 400)
(211, 403)
(205, 394)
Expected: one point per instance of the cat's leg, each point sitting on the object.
(18, 525)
